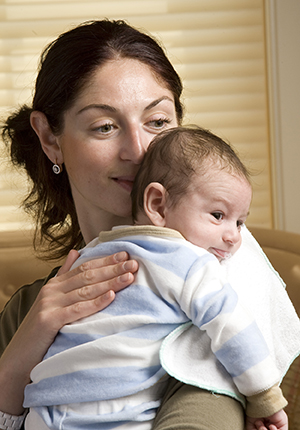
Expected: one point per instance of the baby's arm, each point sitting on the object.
(277, 421)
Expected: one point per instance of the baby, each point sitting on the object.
(191, 199)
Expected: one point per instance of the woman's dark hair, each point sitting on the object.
(175, 156)
(66, 65)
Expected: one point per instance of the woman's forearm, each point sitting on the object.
(15, 366)
(12, 387)
(26, 349)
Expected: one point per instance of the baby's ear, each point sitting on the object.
(155, 203)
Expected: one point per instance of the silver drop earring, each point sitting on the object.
(56, 169)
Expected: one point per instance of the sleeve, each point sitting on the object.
(214, 306)
(17, 307)
(266, 403)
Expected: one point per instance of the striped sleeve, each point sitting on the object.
(236, 340)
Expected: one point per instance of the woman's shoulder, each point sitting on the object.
(17, 307)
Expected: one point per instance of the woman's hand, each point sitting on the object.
(277, 421)
(68, 297)
(76, 294)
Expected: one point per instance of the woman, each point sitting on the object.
(103, 91)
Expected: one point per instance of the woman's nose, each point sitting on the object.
(134, 146)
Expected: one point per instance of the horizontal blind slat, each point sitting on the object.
(11, 28)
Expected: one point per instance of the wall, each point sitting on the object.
(283, 34)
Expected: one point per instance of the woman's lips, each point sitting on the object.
(125, 182)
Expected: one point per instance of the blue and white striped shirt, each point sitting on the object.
(118, 359)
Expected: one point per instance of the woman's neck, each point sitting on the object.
(91, 228)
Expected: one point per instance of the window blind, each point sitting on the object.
(217, 47)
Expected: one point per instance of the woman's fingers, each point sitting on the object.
(95, 277)
(70, 260)
(92, 272)
(90, 288)
(98, 270)
(82, 309)
(85, 290)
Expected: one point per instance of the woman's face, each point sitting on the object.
(106, 133)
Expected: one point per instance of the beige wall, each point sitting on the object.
(283, 33)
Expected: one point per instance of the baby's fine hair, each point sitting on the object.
(176, 155)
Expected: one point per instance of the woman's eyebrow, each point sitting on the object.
(113, 109)
(156, 102)
(97, 106)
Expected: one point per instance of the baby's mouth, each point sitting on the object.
(220, 254)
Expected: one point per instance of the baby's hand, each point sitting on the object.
(277, 421)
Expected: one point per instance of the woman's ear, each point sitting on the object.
(48, 140)
(155, 203)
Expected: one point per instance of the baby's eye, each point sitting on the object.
(217, 215)
(239, 223)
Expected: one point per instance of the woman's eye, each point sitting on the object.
(106, 128)
(159, 123)
(217, 215)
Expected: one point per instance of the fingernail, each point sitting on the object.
(124, 277)
(120, 256)
(108, 295)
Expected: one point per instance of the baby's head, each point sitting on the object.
(192, 181)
